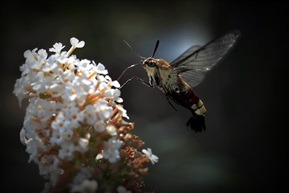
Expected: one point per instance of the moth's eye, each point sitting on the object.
(150, 63)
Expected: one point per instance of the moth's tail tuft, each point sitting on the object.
(197, 123)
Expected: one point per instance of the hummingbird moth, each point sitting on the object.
(178, 78)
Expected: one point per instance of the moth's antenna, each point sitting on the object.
(156, 47)
(141, 57)
(133, 65)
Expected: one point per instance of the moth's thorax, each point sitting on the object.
(161, 63)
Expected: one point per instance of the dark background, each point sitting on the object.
(244, 148)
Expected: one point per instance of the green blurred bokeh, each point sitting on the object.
(244, 147)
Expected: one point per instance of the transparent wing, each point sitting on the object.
(195, 62)
(186, 53)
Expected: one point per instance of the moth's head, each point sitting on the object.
(151, 64)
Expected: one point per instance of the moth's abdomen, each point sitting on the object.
(199, 108)
(197, 121)
(190, 100)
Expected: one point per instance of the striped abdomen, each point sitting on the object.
(191, 101)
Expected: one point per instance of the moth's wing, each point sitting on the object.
(185, 54)
(195, 62)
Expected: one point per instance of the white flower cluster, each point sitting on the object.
(66, 96)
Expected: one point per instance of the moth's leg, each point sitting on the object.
(137, 78)
(168, 99)
(131, 66)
